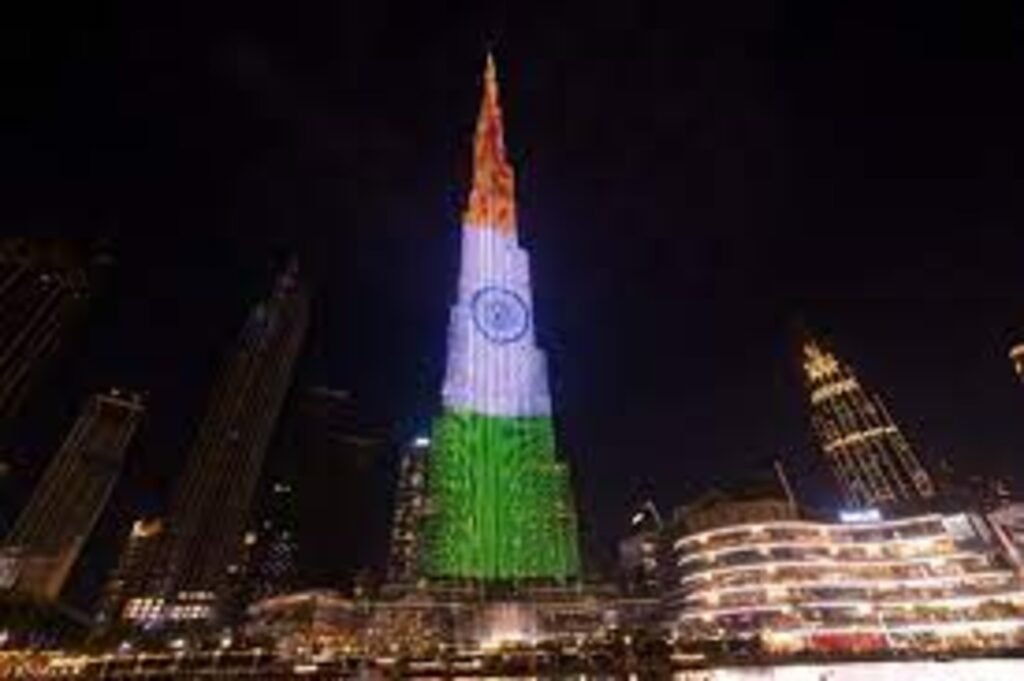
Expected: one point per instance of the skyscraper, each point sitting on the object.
(500, 500)
(50, 532)
(870, 457)
(134, 565)
(330, 445)
(405, 555)
(43, 284)
(1017, 357)
(272, 556)
(211, 508)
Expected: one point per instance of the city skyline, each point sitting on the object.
(682, 424)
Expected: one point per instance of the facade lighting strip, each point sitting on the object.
(825, 562)
(827, 528)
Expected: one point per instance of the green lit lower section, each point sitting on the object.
(500, 502)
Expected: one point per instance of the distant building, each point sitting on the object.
(871, 459)
(135, 564)
(641, 553)
(44, 285)
(273, 553)
(202, 554)
(49, 534)
(924, 583)
(405, 555)
(328, 442)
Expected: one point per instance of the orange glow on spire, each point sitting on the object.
(492, 201)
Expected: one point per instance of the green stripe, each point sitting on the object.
(500, 501)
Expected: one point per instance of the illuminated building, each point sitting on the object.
(929, 582)
(272, 556)
(136, 562)
(201, 561)
(49, 534)
(43, 287)
(1017, 357)
(500, 506)
(410, 504)
(871, 459)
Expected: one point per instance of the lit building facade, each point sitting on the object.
(274, 549)
(203, 553)
(134, 565)
(930, 582)
(406, 550)
(871, 459)
(500, 505)
(51, 531)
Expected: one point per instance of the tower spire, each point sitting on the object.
(492, 203)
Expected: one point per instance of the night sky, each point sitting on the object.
(693, 184)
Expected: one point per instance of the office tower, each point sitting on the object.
(43, 286)
(136, 562)
(329, 442)
(211, 508)
(273, 544)
(410, 506)
(49, 534)
(870, 457)
(500, 500)
(1017, 357)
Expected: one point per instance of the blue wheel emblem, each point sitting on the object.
(500, 315)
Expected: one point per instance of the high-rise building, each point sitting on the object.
(43, 286)
(404, 559)
(49, 534)
(202, 559)
(136, 562)
(870, 457)
(1017, 357)
(274, 545)
(330, 444)
(500, 506)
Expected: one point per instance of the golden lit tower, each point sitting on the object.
(868, 454)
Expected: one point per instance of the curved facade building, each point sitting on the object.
(928, 582)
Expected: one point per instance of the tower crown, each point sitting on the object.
(819, 364)
(492, 202)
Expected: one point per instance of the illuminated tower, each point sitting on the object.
(868, 454)
(405, 553)
(211, 510)
(1017, 357)
(52, 529)
(500, 505)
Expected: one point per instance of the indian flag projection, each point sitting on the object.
(500, 502)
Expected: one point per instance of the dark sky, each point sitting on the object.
(694, 180)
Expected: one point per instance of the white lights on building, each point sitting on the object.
(864, 584)
(864, 515)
